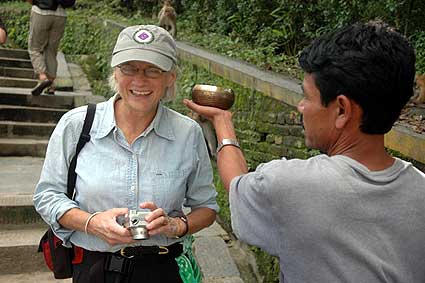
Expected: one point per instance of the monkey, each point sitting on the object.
(167, 18)
(420, 83)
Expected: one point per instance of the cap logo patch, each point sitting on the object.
(143, 36)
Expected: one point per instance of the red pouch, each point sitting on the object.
(57, 257)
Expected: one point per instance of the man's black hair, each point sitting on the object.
(371, 64)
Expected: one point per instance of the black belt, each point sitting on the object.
(140, 252)
(129, 252)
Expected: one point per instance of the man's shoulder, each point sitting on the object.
(296, 172)
(297, 165)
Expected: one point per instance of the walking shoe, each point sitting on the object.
(50, 90)
(40, 87)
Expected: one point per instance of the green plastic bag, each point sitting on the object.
(188, 267)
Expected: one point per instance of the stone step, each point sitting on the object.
(18, 209)
(19, 177)
(14, 53)
(15, 63)
(13, 129)
(23, 97)
(215, 261)
(17, 82)
(18, 249)
(30, 114)
(23, 147)
(17, 72)
(213, 256)
(63, 79)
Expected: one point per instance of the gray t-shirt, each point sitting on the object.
(330, 219)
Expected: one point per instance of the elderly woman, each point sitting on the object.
(141, 156)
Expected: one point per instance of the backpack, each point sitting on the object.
(66, 3)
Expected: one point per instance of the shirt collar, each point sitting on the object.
(160, 124)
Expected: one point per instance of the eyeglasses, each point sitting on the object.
(150, 72)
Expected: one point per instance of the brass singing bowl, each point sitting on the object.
(210, 95)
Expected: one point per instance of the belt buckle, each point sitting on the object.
(122, 253)
(163, 250)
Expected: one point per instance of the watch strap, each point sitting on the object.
(225, 142)
(184, 219)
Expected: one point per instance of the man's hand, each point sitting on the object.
(211, 113)
(230, 160)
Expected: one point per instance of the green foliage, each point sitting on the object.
(16, 17)
(271, 33)
(268, 265)
(419, 43)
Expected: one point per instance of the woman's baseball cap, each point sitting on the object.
(147, 43)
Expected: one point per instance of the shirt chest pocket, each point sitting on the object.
(171, 188)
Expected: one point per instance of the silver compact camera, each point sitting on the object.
(136, 223)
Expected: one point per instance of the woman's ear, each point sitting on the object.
(344, 107)
(171, 78)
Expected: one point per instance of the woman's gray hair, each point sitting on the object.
(170, 93)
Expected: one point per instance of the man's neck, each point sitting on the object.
(368, 150)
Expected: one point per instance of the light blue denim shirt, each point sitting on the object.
(167, 164)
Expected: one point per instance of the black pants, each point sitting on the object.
(149, 269)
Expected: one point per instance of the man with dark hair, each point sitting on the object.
(3, 32)
(354, 214)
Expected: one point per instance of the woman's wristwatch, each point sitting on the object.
(183, 217)
(186, 229)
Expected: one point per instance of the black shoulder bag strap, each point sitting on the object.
(84, 138)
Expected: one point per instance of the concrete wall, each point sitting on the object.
(267, 128)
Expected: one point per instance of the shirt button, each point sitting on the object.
(132, 188)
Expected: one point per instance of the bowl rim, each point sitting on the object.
(211, 88)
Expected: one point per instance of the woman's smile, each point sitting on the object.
(140, 92)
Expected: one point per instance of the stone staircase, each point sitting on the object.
(26, 123)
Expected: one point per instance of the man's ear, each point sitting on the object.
(344, 107)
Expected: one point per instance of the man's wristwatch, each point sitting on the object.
(225, 142)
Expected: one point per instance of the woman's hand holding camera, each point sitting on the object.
(104, 225)
(160, 223)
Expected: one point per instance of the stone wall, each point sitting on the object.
(266, 128)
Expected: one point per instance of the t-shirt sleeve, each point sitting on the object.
(252, 213)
